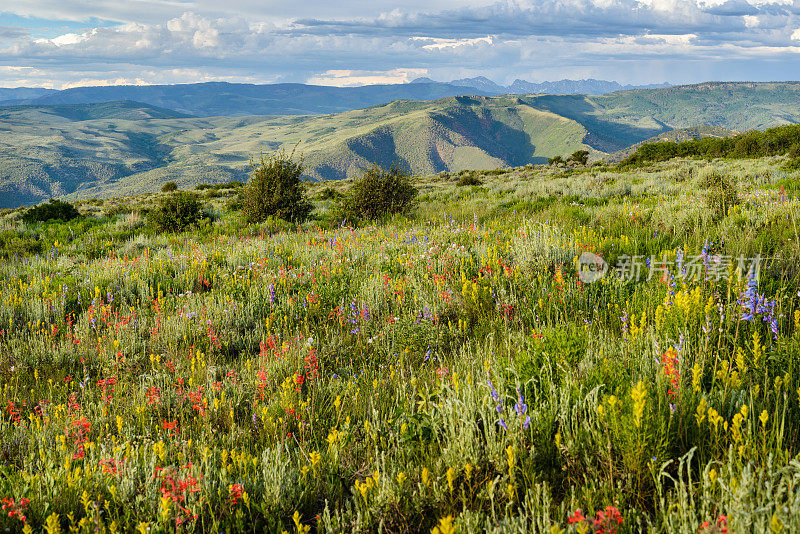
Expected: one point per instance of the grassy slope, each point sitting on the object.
(295, 365)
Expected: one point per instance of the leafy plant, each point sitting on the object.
(380, 192)
(468, 179)
(169, 187)
(276, 189)
(55, 209)
(176, 212)
(718, 192)
(581, 157)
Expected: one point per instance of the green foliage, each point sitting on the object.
(329, 193)
(253, 378)
(220, 187)
(169, 187)
(275, 189)
(580, 157)
(380, 192)
(176, 212)
(468, 179)
(718, 193)
(792, 164)
(555, 160)
(55, 209)
(774, 141)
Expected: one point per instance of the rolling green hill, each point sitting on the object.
(109, 149)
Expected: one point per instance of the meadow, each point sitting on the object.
(444, 372)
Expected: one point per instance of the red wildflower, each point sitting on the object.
(16, 509)
(311, 364)
(720, 526)
(172, 426)
(153, 396)
(671, 363)
(14, 412)
(576, 517)
(608, 521)
(236, 491)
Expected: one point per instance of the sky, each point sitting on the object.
(69, 43)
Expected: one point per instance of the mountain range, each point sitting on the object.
(216, 99)
(561, 87)
(127, 147)
(234, 100)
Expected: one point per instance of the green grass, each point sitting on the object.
(272, 377)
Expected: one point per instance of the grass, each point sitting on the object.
(446, 371)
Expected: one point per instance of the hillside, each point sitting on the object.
(237, 99)
(16, 94)
(674, 136)
(102, 150)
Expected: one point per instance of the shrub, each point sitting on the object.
(219, 187)
(275, 189)
(176, 212)
(555, 160)
(329, 193)
(380, 192)
(169, 187)
(718, 192)
(580, 157)
(55, 209)
(792, 165)
(468, 179)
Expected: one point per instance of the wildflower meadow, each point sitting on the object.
(446, 371)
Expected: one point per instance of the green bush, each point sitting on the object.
(329, 193)
(718, 192)
(580, 157)
(176, 212)
(55, 209)
(792, 165)
(220, 187)
(275, 189)
(169, 187)
(468, 179)
(380, 192)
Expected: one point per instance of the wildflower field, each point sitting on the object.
(446, 372)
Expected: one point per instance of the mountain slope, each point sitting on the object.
(127, 147)
(22, 93)
(233, 99)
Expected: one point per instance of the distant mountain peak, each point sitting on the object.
(424, 79)
(480, 82)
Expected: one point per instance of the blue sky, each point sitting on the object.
(67, 43)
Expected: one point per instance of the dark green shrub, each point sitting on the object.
(55, 209)
(380, 192)
(580, 157)
(329, 193)
(220, 187)
(275, 189)
(792, 165)
(176, 212)
(468, 179)
(169, 187)
(719, 194)
(555, 160)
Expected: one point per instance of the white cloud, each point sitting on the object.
(350, 78)
(437, 43)
(98, 82)
(241, 40)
